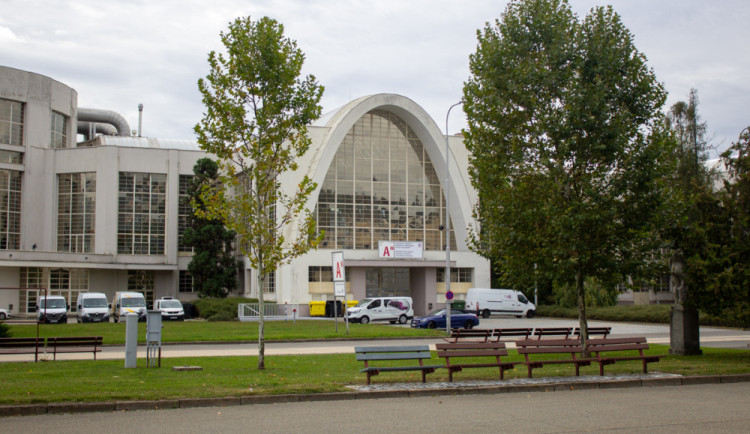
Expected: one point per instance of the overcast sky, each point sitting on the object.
(117, 54)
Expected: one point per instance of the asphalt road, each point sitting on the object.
(670, 409)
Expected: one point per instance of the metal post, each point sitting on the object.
(448, 223)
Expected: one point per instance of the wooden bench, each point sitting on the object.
(393, 354)
(476, 335)
(516, 333)
(571, 348)
(77, 344)
(22, 346)
(599, 346)
(593, 331)
(492, 350)
(553, 331)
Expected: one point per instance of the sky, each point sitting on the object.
(117, 54)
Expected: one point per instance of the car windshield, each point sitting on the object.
(94, 302)
(133, 302)
(54, 303)
(171, 304)
(437, 312)
(364, 302)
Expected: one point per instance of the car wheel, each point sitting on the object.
(468, 325)
(402, 319)
(486, 313)
(2, 316)
(364, 320)
(530, 313)
(431, 325)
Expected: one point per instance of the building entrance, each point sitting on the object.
(388, 282)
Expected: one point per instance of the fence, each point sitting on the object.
(272, 311)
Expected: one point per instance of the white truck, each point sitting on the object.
(486, 301)
(52, 309)
(92, 307)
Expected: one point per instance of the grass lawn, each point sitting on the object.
(105, 380)
(229, 331)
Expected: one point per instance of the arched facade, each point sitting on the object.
(379, 163)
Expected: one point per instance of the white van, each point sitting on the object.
(52, 309)
(92, 307)
(485, 301)
(127, 303)
(170, 308)
(390, 309)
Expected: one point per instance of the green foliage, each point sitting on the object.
(596, 294)
(4, 330)
(213, 266)
(650, 313)
(726, 291)
(227, 307)
(569, 150)
(257, 112)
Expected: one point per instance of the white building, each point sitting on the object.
(104, 214)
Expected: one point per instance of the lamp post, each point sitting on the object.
(448, 224)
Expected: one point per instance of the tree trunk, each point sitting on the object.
(261, 321)
(582, 321)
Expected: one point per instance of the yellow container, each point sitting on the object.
(317, 308)
(351, 303)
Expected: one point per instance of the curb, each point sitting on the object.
(109, 406)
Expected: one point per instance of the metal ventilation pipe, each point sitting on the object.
(91, 129)
(140, 119)
(106, 117)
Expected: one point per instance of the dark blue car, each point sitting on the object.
(438, 319)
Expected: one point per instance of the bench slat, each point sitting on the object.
(392, 349)
(393, 356)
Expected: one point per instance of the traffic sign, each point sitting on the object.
(449, 295)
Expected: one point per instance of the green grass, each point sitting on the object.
(225, 331)
(106, 380)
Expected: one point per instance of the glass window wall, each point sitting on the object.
(381, 186)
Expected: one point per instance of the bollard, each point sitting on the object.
(131, 340)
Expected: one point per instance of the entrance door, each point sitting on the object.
(388, 282)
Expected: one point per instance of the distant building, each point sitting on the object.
(103, 213)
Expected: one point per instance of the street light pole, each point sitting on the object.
(447, 274)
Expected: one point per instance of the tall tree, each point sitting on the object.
(257, 112)
(728, 292)
(693, 227)
(567, 145)
(214, 265)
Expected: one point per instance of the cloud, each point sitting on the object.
(117, 54)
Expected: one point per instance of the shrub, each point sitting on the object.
(209, 307)
(4, 330)
(223, 316)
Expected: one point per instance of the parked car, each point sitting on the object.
(52, 309)
(4, 314)
(92, 307)
(170, 308)
(438, 319)
(391, 309)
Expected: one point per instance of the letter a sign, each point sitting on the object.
(338, 266)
